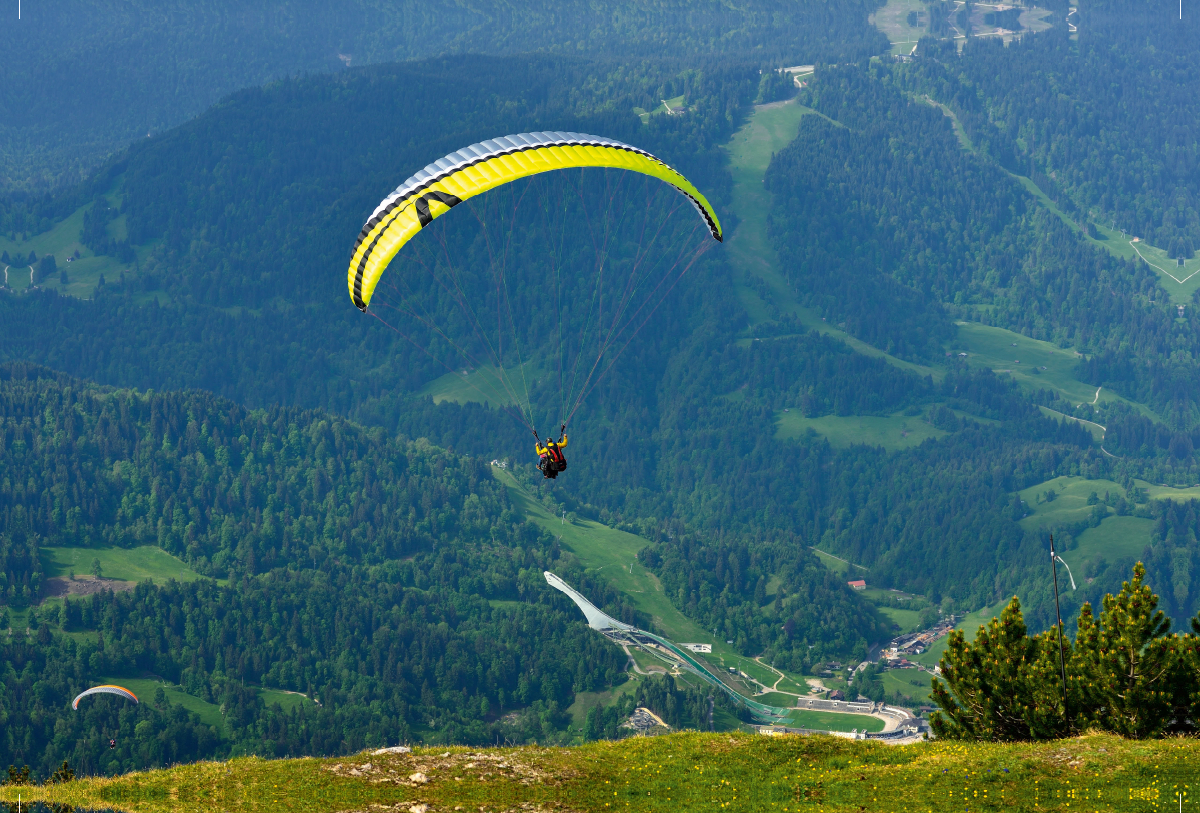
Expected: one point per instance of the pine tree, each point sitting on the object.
(1135, 661)
(996, 688)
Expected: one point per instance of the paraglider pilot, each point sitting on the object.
(551, 460)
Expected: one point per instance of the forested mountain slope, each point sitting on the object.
(1105, 121)
(981, 250)
(389, 580)
(889, 225)
(276, 182)
(88, 76)
(1106, 125)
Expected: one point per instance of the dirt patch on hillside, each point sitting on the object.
(82, 586)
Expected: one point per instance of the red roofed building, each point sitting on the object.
(858, 584)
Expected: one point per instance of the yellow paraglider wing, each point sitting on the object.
(471, 171)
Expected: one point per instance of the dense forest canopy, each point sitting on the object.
(391, 581)
(87, 77)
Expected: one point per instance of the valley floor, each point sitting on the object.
(686, 771)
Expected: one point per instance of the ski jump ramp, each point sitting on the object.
(624, 634)
(596, 619)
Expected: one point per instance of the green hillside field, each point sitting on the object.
(1116, 537)
(123, 564)
(1034, 364)
(679, 772)
(889, 431)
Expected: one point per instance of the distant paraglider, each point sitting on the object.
(117, 690)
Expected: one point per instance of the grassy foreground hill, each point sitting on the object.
(687, 771)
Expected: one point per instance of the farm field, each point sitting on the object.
(684, 771)
(891, 432)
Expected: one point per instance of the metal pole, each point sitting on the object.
(1062, 661)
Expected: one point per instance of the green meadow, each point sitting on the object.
(1156, 492)
(891, 432)
(1069, 504)
(1114, 538)
(687, 771)
(209, 713)
(892, 20)
(912, 683)
(1179, 281)
(61, 242)
(906, 620)
(145, 688)
(838, 565)
(665, 107)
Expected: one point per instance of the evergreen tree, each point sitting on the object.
(1134, 661)
(1002, 686)
(1125, 675)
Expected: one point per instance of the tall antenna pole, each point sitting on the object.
(1062, 661)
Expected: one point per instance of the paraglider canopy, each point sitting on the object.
(475, 169)
(117, 690)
